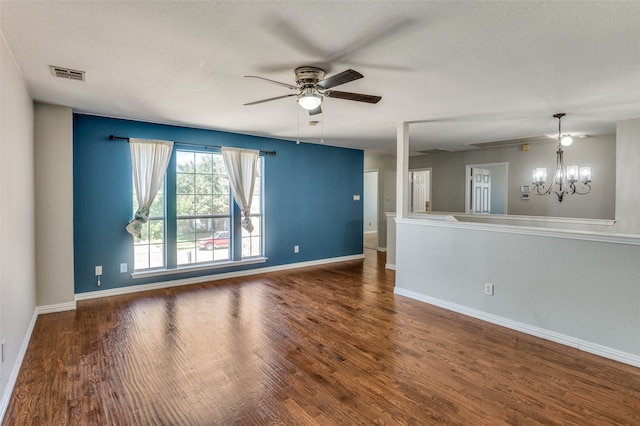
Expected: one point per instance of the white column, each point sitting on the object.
(402, 171)
(627, 160)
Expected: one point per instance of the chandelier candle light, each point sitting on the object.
(565, 179)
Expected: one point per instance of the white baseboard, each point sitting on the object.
(8, 390)
(391, 266)
(60, 307)
(574, 342)
(382, 249)
(214, 277)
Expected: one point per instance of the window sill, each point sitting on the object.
(195, 268)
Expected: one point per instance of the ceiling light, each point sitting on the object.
(566, 140)
(565, 178)
(308, 99)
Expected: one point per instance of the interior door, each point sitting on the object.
(480, 190)
(370, 200)
(370, 209)
(420, 191)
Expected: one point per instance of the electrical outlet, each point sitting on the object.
(488, 289)
(296, 249)
(98, 270)
(123, 267)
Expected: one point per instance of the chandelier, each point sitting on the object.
(565, 178)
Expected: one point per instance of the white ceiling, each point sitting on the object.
(465, 72)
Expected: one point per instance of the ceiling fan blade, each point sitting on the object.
(371, 99)
(287, 85)
(270, 99)
(296, 37)
(340, 78)
(387, 29)
(315, 111)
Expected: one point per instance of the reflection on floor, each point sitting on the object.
(371, 240)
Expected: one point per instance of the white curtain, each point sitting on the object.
(149, 161)
(241, 168)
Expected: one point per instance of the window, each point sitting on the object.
(202, 208)
(205, 217)
(149, 250)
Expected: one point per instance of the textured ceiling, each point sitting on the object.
(464, 72)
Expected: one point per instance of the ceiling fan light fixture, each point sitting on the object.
(309, 100)
(312, 87)
(566, 140)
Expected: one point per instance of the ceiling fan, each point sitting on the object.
(311, 86)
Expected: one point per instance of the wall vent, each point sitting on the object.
(67, 73)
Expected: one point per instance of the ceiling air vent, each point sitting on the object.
(508, 142)
(433, 151)
(67, 73)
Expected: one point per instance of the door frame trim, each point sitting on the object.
(423, 169)
(467, 183)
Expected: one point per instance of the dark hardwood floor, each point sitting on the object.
(326, 345)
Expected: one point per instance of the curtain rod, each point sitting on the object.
(113, 138)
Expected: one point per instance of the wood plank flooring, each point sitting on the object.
(326, 345)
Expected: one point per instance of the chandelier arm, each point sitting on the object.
(583, 192)
(540, 189)
(561, 195)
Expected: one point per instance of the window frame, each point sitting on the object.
(192, 254)
(171, 220)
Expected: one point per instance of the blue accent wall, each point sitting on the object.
(309, 192)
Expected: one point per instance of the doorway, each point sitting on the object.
(486, 188)
(420, 186)
(370, 200)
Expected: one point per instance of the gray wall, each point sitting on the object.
(54, 204)
(386, 166)
(589, 296)
(448, 175)
(17, 235)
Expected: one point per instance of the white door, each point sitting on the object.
(420, 187)
(370, 213)
(480, 190)
(370, 201)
